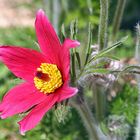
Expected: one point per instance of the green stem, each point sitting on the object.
(56, 14)
(73, 72)
(48, 4)
(118, 17)
(86, 114)
(90, 124)
(100, 96)
(102, 35)
(137, 56)
(100, 102)
(91, 129)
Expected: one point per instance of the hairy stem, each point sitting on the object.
(53, 9)
(102, 34)
(56, 14)
(100, 101)
(86, 114)
(118, 17)
(137, 56)
(48, 5)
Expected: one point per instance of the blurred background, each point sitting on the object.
(17, 28)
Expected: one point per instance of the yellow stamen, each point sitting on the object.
(48, 78)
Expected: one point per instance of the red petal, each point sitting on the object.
(47, 38)
(20, 99)
(22, 62)
(65, 57)
(34, 117)
(65, 92)
(51, 46)
(68, 43)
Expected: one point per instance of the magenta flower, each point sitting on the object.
(46, 75)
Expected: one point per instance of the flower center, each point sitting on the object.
(48, 78)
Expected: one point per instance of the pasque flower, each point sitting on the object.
(46, 75)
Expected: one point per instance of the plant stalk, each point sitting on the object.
(48, 5)
(99, 93)
(102, 33)
(100, 101)
(137, 56)
(56, 14)
(85, 112)
(53, 9)
(118, 17)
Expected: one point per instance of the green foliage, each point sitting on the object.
(62, 112)
(50, 129)
(18, 37)
(127, 49)
(105, 51)
(83, 12)
(126, 103)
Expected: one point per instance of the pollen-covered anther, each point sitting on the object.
(48, 78)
